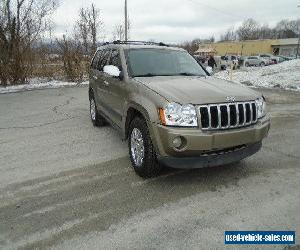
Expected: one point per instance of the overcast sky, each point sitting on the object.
(177, 20)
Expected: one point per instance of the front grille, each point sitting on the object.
(228, 115)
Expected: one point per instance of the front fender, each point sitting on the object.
(148, 106)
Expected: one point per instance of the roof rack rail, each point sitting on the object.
(135, 43)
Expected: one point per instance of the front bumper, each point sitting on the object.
(211, 160)
(198, 142)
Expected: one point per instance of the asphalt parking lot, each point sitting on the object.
(67, 185)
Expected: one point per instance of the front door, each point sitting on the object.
(116, 90)
(100, 82)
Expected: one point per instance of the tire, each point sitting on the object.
(247, 64)
(262, 64)
(148, 166)
(97, 119)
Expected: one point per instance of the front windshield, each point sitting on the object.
(162, 62)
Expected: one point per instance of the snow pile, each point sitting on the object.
(285, 75)
(39, 84)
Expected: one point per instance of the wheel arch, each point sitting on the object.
(137, 110)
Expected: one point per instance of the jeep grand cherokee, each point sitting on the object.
(171, 110)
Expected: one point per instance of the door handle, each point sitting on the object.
(106, 83)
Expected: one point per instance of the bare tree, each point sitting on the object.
(288, 29)
(249, 30)
(21, 24)
(192, 46)
(265, 32)
(72, 57)
(229, 35)
(119, 31)
(88, 28)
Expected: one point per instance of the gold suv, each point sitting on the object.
(171, 110)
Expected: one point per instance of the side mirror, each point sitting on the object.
(209, 70)
(111, 70)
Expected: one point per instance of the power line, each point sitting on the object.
(216, 9)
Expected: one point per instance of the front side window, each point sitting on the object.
(115, 59)
(103, 58)
(162, 62)
(96, 59)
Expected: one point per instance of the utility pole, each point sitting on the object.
(126, 22)
(297, 55)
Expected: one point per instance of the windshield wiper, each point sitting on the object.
(145, 75)
(188, 74)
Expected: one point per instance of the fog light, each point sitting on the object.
(177, 142)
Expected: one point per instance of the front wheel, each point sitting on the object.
(97, 119)
(141, 150)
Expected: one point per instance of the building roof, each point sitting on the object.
(205, 50)
(287, 41)
(274, 42)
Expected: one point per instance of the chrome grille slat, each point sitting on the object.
(233, 113)
(219, 117)
(209, 116)
(251, 112)
(228, 115)
(237, 114)
(244, 107)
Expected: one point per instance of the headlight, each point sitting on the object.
(261, 107)
(175, 114)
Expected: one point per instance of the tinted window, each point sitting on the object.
(103, 59)
(115, 59)
(162, 62)
(95, 59)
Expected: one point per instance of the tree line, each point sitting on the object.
(250, 29)
(28, 50)
(24, 49)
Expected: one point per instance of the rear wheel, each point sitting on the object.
(247, 64)
(262, 64)
(97, 119)
(141, 150)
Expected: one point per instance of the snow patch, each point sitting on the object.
(38, 83)
(285, 75)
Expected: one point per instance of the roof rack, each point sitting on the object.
(135, 43)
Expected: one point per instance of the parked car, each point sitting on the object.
(273, 59)
(255, 61)
(227, 60)
(200, 59)
(284, 58)
(171, 110)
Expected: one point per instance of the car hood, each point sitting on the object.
(197, 90)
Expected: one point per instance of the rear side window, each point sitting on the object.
(115, 59)
(103, 58)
